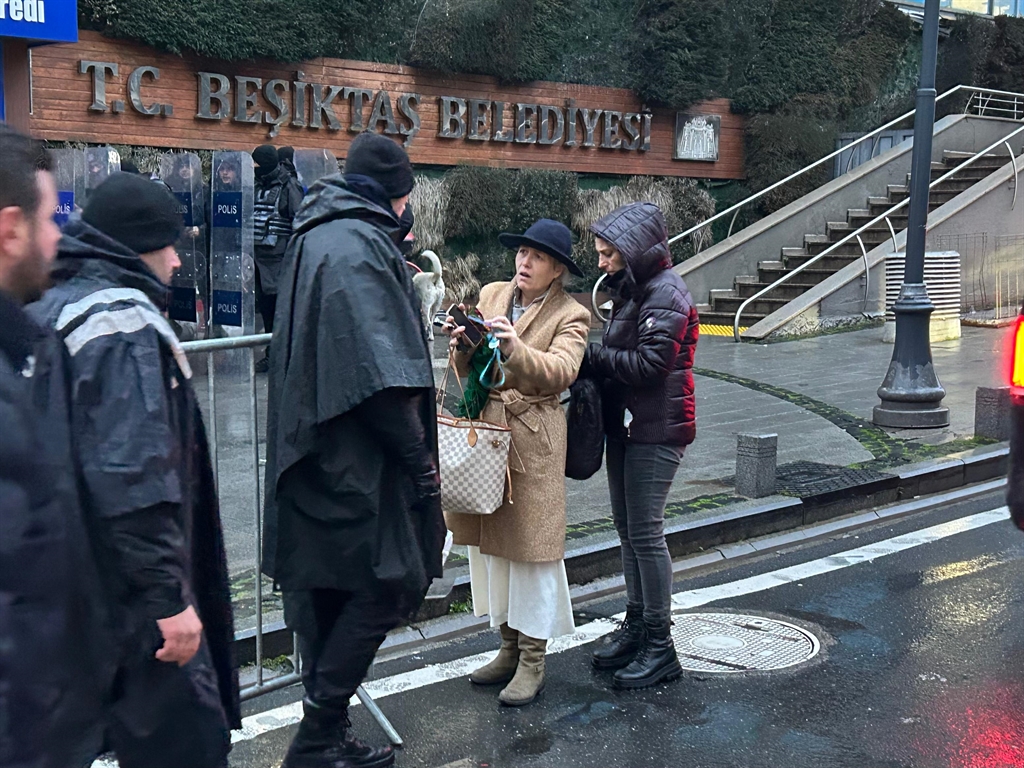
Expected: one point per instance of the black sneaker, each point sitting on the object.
(263, 365)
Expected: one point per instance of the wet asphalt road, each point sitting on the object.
(921, 666)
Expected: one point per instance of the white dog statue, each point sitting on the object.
(430, 288)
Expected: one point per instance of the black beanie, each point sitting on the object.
(286, 153)
(380, 158)
(135, 211)
(265, 156)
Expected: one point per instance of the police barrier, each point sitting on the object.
(101, 162)
(313, 164)
(69, 174)
(190, 288)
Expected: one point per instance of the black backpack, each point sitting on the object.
(584, 446)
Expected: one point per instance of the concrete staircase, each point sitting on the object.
(721, 311)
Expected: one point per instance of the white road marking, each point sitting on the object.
(290, 714)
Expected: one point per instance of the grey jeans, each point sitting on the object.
(639, 479)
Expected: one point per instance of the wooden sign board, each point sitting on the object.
(105, 91)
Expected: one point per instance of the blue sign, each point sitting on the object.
(45, 20)
(65, 206)
(227, 308)
(227, 208)
(185, 208)
(183, 303)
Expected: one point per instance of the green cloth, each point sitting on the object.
(472, 403)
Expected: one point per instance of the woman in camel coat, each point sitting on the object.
(516, 555)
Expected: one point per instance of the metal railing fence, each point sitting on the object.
(983, 101)
(209, 349)
(878, 219)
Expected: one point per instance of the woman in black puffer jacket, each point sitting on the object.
(644, 364)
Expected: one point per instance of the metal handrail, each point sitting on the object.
(815, 164)
(863, 228)
(231, 342)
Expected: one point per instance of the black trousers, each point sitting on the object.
(166, 716)
(339, 634)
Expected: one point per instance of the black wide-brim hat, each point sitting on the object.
(551, 237)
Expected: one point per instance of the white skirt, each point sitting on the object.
(532, 598)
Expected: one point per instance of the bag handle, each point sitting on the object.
(473, 436)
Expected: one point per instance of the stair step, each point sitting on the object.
(788, 290)
(792, 253)
(813, 239)
(878, 201)
(849, 248)
(898, 219)
(726, 318)
(770, 265)
(810, 276)
(894, 190)
(833, 262)
(721, 293)
(763, 306)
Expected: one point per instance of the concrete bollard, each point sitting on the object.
(992, 413)
(756, 457)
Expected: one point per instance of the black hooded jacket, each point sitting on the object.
(645, 360)
(351, 437)
(53, 633)
(149, 494)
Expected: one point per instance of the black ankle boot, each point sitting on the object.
(323, 741)
(620, 648)
(655, 662)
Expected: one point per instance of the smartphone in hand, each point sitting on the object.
(474, 331)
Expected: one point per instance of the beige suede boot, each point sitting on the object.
(503, 668)
(529, 679)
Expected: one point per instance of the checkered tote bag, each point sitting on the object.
(474, 461)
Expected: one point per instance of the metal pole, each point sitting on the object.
(258, 583)
(910, 393)
(380, 717)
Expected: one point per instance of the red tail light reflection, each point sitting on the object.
(1017, 358)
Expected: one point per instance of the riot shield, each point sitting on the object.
(69, 174)
(101, 162)
(233, 314)
(231, 244)
(183, 174)
(313, 164)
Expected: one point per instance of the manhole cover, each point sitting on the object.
(730, 642)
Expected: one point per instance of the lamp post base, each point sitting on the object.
(911, 393)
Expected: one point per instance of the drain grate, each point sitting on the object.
(805, 479)
(730, 642)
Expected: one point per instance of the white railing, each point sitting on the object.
(985, 103)
(878, 219)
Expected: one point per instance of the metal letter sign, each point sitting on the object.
(44, 20)
(233, 278)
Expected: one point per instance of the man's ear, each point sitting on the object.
(14, 233)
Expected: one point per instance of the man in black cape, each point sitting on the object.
(353, 527)
(149, 494)
(53, 643)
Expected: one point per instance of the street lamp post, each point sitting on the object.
(911, 394)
